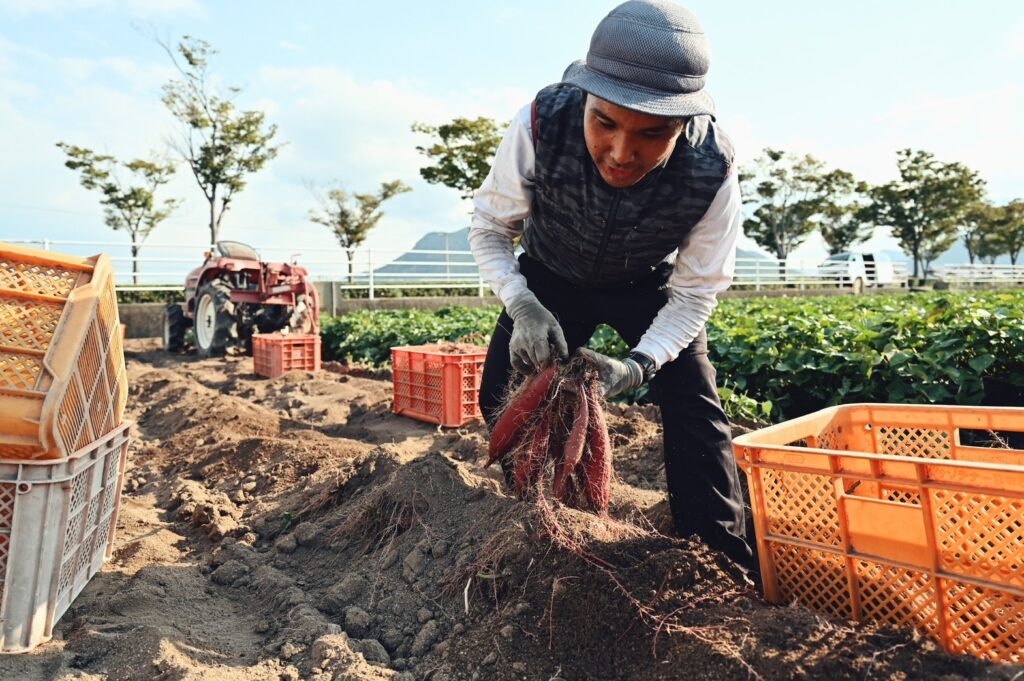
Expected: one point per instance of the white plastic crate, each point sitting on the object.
(57, 522)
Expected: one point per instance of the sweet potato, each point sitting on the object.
(507, 431)
(572, 454)
(597, 467)
(530, 463)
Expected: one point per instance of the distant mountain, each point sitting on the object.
(459, 241)
(957, 255)
(751, 255)
(434, 241)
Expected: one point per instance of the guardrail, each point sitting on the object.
(163, 268)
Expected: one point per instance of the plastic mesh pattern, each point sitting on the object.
(83, 559)
(27, 277)
(92, 516)
(985, 622)
(471, 376)
(28, 324)
(66, 570)
(74, 533)
(980, 536)
(916, 442)
(901, 495)
(274, 354)
(5, 543)
(813, 578)
(828, 439)
(892, 594)
(119, 387)
(71, 414)
(106, 313)
(7, 492)
(113, 465)
(801, 506)
(955, 571)
(79, 489)
(437, 384)
(20, 372)
(87, 397)
(419, 388)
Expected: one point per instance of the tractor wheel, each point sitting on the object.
(215, 325)
(175, 326)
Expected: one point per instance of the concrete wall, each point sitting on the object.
(144, 320)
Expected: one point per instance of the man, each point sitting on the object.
(624, 192)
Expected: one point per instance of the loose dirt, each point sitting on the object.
(296, 529)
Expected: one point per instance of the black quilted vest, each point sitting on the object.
(595, 235)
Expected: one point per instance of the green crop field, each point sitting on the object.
(789, 356)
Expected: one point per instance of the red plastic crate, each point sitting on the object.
(438, 383)
(275, 354)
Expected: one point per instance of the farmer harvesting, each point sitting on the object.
(624, 191)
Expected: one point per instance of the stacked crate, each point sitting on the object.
(62, 441)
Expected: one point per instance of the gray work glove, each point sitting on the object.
(617, 375)
(537, 339)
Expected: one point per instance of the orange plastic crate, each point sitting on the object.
(62, 374)
(438, 383)
(882, 512)
(275, 354)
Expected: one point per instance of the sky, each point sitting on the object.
(850, 83)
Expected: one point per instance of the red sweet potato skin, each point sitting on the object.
(530, 465)
(509, 426)
(572, 454)
(554, 431)
(597, 467)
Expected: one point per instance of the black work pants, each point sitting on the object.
(703, 481)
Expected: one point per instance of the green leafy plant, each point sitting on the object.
(781, 357)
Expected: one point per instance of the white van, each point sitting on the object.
(858, 270)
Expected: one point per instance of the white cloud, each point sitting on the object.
(1015, 39)
(142, 8)
(980, 129)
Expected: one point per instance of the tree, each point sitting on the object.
(1009, 227)
(924, 207)
(840, 215)
(127, 205)
(786, 191)
(221, 144)
(351, 218)
(973, 227)
(461, 151)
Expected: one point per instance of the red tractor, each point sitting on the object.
(233, 295)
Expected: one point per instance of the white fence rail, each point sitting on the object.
(965, 276)
(162, 267)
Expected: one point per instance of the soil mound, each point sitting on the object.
(296, 529)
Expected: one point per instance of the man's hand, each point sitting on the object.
(617, 375)
(537, 339)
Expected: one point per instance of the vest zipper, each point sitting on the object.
(606, 237)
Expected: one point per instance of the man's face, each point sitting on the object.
(625, 144)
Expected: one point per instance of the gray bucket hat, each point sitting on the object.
(649, 56)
